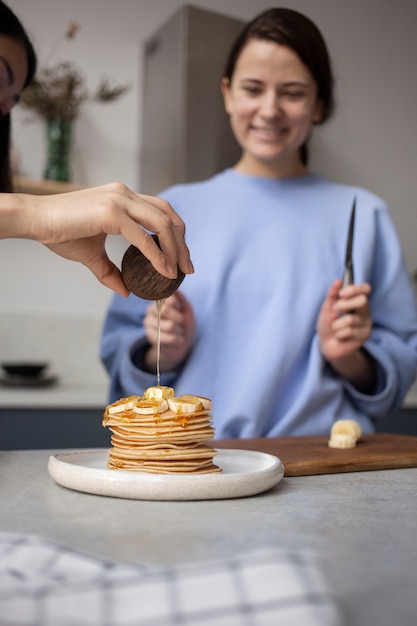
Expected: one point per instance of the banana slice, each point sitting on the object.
(179, 405)
(346, 427)
(150, 407)
(159, 392)
(122, 405)
(344, 434)
(205, 402)
(342, 440)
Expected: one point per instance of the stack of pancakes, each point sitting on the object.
(160, 433)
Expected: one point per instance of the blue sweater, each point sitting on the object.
(265, 253)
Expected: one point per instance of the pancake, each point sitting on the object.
(160, 433)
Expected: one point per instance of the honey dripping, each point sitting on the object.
(158, 304)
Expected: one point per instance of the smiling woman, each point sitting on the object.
(265, 328)
(296, 70)
(272, 102)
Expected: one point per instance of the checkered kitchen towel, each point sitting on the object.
(45, 583)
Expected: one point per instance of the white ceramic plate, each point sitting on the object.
(245, 473)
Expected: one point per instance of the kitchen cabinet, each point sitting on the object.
(70, 416)
(402, 422)
(57, 428)
(29, 429)
(59, 416)
(186, 133)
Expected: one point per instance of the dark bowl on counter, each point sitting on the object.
(29, 369)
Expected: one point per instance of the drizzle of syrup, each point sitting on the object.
(182, 419)
(158, 304)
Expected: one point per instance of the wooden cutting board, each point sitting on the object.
(305, 456)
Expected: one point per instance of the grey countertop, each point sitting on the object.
(363, 523)
(61, 395)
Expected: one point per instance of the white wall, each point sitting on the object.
(372, 140)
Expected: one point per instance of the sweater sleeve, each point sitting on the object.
(393, 342)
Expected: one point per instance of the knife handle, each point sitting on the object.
(348, 278)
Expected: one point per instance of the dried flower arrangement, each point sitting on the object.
(59, 91)
(57, 94)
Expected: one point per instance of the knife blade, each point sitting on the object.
(348, 275)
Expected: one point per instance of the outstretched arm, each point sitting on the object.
(75, 225)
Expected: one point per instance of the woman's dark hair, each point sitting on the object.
(10, 26)
(295, 31)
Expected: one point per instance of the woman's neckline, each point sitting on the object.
(284, 180)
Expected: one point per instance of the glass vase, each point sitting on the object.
(59, 138)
